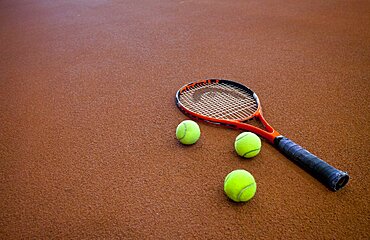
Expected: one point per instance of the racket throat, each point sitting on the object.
(268, 134)
(264, 129)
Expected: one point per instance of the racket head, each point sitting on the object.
(218, 101)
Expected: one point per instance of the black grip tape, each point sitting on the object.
(333, 178)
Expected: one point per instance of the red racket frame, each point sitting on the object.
(269, 133)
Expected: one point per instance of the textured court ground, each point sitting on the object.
(87, 118)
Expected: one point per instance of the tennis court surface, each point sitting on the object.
(88, 118)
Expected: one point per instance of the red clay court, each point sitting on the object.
(88, 118)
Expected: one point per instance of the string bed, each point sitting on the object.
(220, 101)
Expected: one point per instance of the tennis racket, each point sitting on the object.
(231, 104)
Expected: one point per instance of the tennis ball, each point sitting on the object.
(188, 132)
(240, 185)
(247, 144)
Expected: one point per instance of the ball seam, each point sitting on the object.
(251, 151)
(248, 133)
(245, 188)
(184, 131)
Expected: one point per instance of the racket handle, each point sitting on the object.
(333, 178)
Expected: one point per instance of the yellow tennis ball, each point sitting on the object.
(240, 185)
(188, 132)
(247, 144)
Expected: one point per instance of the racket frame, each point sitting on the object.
(268, 133)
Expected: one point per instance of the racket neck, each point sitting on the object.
(269, 133)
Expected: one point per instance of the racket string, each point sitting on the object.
(220, 101)
(212, 108)
(223, 111)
